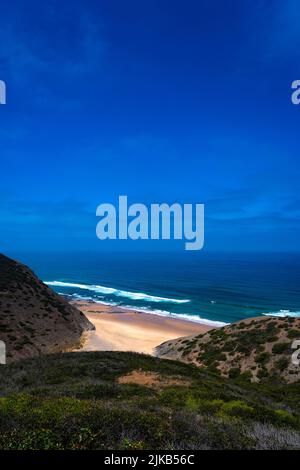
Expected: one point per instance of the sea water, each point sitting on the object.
(210, 288)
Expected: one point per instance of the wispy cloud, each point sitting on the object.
(67, 50)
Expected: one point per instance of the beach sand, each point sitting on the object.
(119, 329)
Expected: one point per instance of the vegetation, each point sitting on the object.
(258, 349)
(100, 401)
(115, 400)
(33, 319)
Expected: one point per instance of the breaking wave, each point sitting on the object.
(282, 314)
(117, 292)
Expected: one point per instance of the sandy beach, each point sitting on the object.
(119, 329)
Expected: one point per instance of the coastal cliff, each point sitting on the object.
(35, 320)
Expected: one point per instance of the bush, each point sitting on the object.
(285, 417)
(280, 348)
(246, 375)
(238, 409)
(234, 372)
(293, 334)
(282, 364)
(262, 357)
(210, 406)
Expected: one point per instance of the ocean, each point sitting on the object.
(213, 289)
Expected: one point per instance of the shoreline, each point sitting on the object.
(122, 329)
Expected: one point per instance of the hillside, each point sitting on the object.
(258, 348)
(33, 319)
(114, 400)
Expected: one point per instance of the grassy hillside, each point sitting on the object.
(33, 319)
(131, 401)
(259, 349)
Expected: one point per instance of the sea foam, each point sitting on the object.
(162, 313)
(182, 316)
(282, 314)
(116, 292)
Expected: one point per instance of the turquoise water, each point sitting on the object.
(215, 289)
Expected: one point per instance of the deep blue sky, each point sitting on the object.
(165, 101)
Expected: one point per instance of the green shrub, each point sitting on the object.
(210, 406)
(237, 408)
(280, 348)
(246, 375)
(282, 363)
(285, 417)
(192, 403)
(262, 357)
(234, 372)
(293, 334)
(262, 373)
(128, 444)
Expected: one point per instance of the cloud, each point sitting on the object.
(31, 214)
(43, 54)
(256, 206)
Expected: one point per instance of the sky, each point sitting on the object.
(162, 101)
